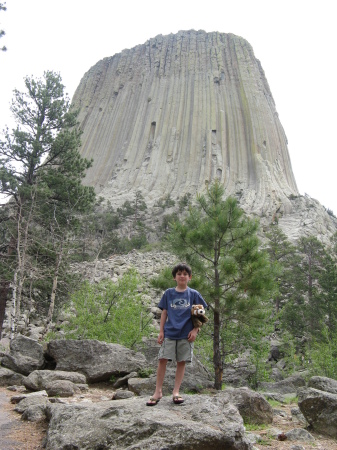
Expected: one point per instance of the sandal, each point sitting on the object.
(153, 401)
(178, 400)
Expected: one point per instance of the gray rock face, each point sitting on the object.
(96, 360)
(201, 422)
(169, 116)
(39, 379)
(298, 434)
(286, 386)
(320, 410)
(9, 377)
(26, 355)
(33, 408)
(61, 388)
(252, 406)
(323, 384)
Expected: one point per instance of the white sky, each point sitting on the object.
(295, 40)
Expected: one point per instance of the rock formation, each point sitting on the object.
(169, 116)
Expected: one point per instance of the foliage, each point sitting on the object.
(165, 202)
(322, 355)
(305, 308)
(283, 259)
(146, 372)
(110, 312)
(42, 172)
(259, 351)
(184, 201)
(221, 243)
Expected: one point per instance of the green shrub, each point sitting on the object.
(110, 312)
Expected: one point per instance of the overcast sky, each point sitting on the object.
(295, 40)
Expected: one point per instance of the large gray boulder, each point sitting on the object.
(25, 356)
(33, 409)
(98, 361)
(8, 377)
(323, 384)
(202, 422)
(252, 406)
(39, 379)
(62, 388)
(286, 386)
(320, 410)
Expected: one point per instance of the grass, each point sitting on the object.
(255, 427)
(287, 401)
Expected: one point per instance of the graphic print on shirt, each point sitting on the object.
(180, 303)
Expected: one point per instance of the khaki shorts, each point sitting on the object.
(176, 350)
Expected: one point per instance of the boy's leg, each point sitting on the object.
(180, 372)
(158, 393)
(184, 354)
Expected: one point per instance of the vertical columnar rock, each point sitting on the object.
(169, 116)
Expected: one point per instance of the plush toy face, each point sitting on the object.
(198, 310)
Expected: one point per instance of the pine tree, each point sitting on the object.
(304, 312)
(42, 172)
(222, 246)
(283, 259)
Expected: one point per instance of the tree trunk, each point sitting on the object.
(217, 360)
(54, 288)
(13, 308)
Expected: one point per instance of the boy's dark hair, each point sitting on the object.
(181, 267)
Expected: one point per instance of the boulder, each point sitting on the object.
(19, 397)
(286, 386)
(323, 384)
(121, 394)
(8, 377)
(98, 361)
(123, 381)
(298, 434)
(33, 409)
(31, 401)
(319, 409)
(298, 418)
(35, 413)
(26, 355)
(61, 388)
(39, 379)
(202, 422)
(252, 406)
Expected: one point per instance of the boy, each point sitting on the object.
(176, 335)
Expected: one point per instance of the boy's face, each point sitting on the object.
(182, 278)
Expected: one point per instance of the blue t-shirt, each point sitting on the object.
(178, 305)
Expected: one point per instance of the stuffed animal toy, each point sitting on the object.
(198, 316)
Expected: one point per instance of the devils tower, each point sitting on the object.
(170, 115)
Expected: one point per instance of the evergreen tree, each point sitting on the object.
(221, 244)
(328, 287)
(283, 259)
(304, 312)
(42, 172)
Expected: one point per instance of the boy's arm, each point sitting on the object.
(163, 318)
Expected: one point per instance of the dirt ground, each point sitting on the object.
(16, 434)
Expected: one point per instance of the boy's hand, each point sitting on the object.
(160, 339)
(192, 335)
